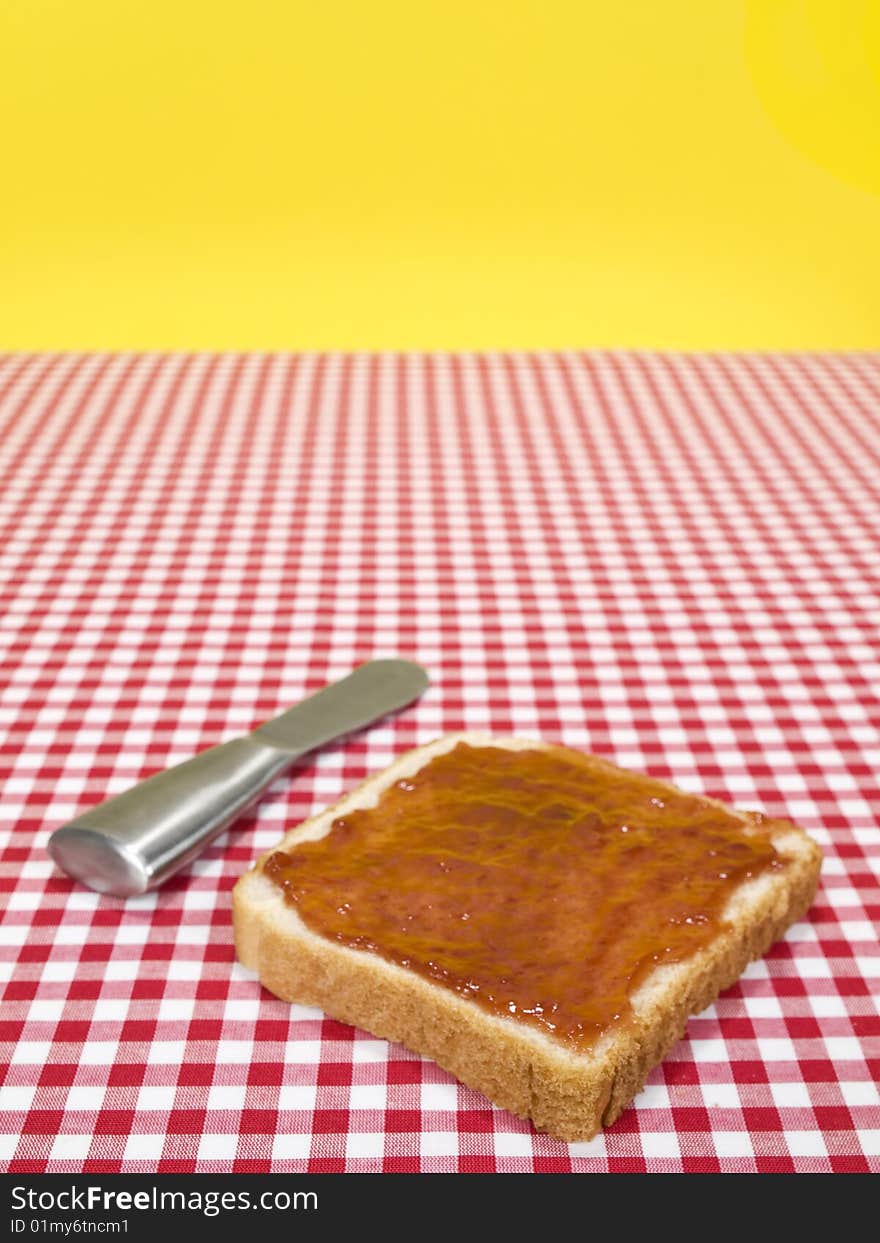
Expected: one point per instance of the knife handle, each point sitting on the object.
(132, 843)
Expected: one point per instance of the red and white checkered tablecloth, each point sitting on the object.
(672, 560)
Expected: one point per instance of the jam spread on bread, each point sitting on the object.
(537, 883)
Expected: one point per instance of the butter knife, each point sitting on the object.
(134, 842)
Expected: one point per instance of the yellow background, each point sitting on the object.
(391, 174)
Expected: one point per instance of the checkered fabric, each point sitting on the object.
(671, 560)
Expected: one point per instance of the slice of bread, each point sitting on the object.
(567, 1091)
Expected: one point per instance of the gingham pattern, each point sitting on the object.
(670, 560)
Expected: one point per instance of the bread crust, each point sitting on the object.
(570, 1094)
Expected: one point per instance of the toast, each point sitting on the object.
(569, 1077)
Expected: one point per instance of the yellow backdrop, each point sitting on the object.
(387, 173)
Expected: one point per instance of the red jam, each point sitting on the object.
(539, 884)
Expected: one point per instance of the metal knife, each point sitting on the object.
(135, 841)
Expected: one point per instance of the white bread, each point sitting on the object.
(569, 1093)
